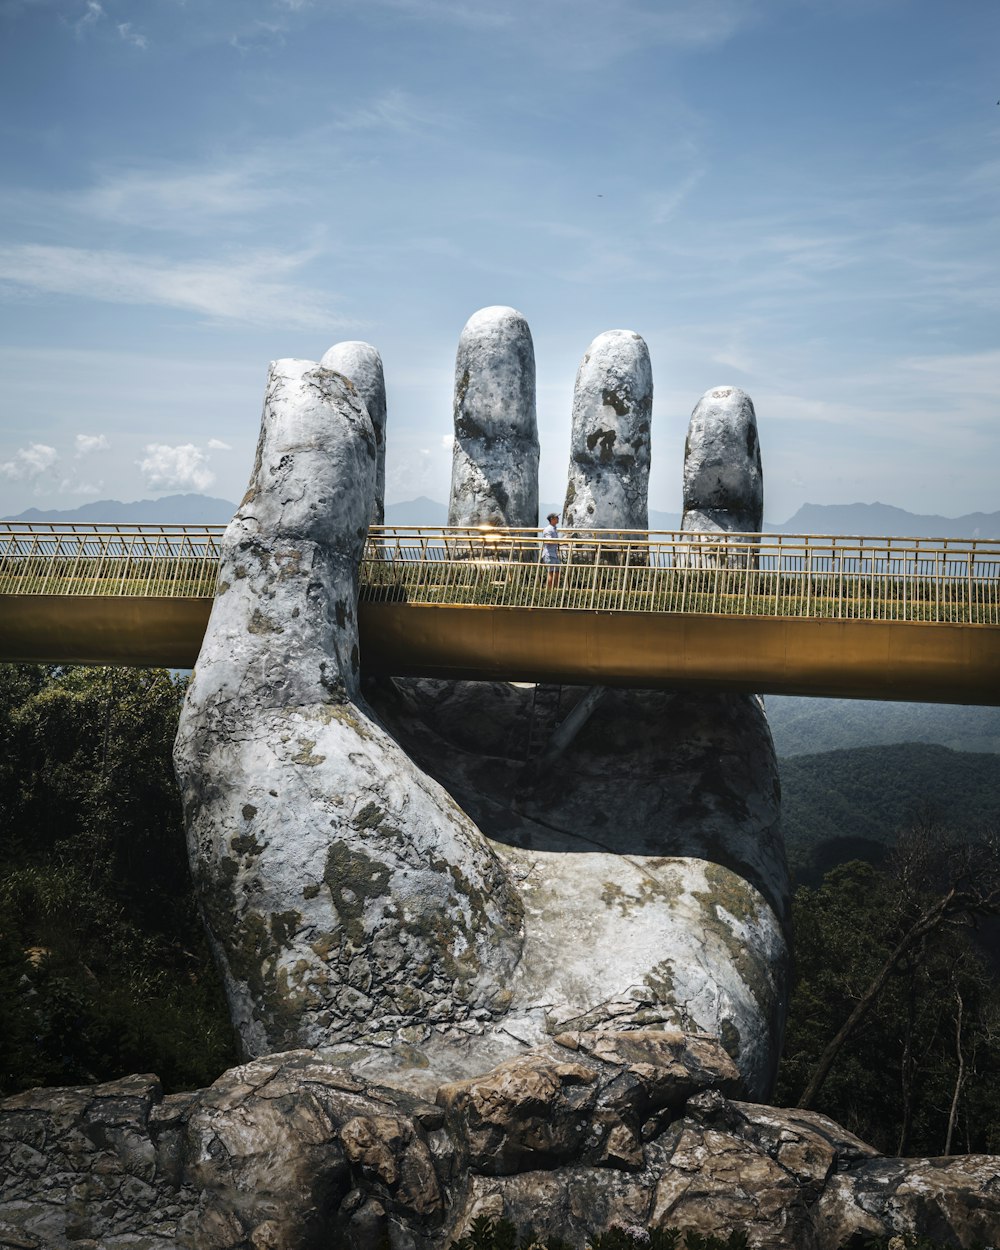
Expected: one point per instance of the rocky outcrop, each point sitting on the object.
(494, 474)
(293, 1151)
(723, 478)
(344, 893)
(608, 481)
(362, 364)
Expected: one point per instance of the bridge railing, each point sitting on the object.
(933, 580)
(149, 561)
(778, 575)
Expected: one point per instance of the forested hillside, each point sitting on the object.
(841, 805)
(806, 726)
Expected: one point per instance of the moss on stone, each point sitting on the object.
(353, 878)
(732, 894)
(284, 926)
(616, 399)
(245, 844)
(305, 755)
(261, 624)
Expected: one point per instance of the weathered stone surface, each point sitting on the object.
(547, 1108)
(363, 365)
(292, 1151)
(723, 478)
(608, 482)
(494, 475)
(654, 840)
(345, 894)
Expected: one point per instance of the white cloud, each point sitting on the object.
(172, 198)
(92, 14)
(181, 467)
(247, 289)
(132, 36)
(447, 441)
(216, 444)
(74, 486)
(86, 443)
(395, 110)
(30, 462)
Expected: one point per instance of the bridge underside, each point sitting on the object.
(851, 659)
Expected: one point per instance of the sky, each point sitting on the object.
(796, 197)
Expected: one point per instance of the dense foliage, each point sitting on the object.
(921, 1073)
(842, 805)
(104, 968)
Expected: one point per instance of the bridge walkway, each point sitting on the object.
(850, 616)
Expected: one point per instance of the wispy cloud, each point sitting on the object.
(78, 486)
(91, 15)
(394, 110)
(88, 443)
(130, 35)
(30, 462)
(248, 288)
(182, 467)
(174, 198)
(216, 444)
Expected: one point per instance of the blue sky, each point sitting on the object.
(798, 197)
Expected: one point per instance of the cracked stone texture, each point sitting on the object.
(494, 473)
(293, 1151)
(363, 365)
(723, 477)
(608, 480)
(344, 893)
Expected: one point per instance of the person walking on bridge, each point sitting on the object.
(550, 550)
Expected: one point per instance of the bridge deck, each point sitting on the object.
(849, 617)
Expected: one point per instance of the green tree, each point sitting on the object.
(104, 968)
(897, 954)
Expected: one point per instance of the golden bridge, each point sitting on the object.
(877, 618)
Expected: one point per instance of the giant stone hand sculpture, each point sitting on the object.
(382, 874)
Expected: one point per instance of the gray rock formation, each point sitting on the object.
(293, 1151)
(363, 365)
(723, 478)
(494, 474)
(608, 482)
(345, 894)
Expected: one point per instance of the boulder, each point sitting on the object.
(494, 475)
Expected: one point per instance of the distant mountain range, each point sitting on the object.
(170, 510)
(875, 520)
(881, 520)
